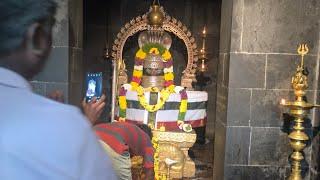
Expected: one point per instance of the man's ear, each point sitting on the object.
(37, 40)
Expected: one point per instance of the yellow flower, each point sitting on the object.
(171, 88)
(151, 89)
(122, 102)
(168, 76)
(156, 158)
(162, 128)
(155, 139)
(137, 73)
(166, 55)
(156, 154)
(134, 85)
(154, 51)
(183, 105)
(140, 54)
(156, 176)
(179, 122)
(121, 119)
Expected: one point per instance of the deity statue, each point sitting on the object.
(91, 91)
(153, 98)
(153, 66)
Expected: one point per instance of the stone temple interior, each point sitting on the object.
(252, 54)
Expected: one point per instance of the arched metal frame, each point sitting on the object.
(170, 24)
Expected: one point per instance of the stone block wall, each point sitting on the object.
(257, 59)
(63, 70)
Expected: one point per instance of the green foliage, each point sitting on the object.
(146, 48)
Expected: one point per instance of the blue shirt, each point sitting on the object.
(43, 139)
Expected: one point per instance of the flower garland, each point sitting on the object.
(122, 104)
(155, 144)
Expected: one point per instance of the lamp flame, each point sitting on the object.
(204, 30)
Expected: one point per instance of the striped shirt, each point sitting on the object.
(126, 137)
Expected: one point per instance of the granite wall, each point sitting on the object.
(258, 56)
(103, 20)
(63, 70)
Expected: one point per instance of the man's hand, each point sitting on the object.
(56, 95)
(94, 108)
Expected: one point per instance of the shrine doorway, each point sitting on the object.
(102, 22)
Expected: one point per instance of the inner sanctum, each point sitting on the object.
(229, 87)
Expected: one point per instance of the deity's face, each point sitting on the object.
(153, 65)
(91, 88)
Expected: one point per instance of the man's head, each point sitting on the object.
(146, 129)
(25, 34)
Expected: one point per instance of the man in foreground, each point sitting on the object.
(39, 138)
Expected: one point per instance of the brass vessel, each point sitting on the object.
(155, 17)
(153, 71)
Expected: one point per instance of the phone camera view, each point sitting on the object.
(94, 86)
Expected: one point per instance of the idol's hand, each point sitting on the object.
(94, 108)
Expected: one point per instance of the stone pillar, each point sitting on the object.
(63, 70)
(76, 72)
(258, 43)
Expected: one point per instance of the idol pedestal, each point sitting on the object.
(175, 146)
(173, 142)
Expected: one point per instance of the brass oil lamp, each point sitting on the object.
(202, 67)
(299, 109)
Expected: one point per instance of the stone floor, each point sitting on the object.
(202, 155)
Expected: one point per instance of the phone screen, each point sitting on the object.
(93, 85)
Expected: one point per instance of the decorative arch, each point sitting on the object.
(170, 24)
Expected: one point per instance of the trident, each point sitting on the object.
(302, 50)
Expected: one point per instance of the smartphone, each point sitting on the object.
(93, 85)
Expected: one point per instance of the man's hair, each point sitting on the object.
(146, 129)
(17, 15)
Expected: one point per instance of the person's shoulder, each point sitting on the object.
(39, 111)
(43, 117)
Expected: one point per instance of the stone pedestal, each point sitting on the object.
(175, 146)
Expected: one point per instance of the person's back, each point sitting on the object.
(123, 140)
(39, 138)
